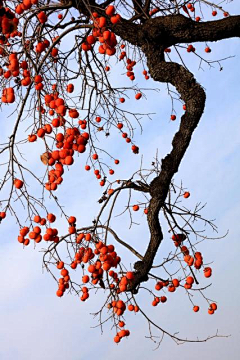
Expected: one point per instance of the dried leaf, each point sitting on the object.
(44, 158)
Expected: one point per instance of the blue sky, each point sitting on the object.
(35, 324)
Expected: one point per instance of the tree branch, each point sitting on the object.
(174, 29)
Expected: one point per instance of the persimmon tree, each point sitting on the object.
(56, 60)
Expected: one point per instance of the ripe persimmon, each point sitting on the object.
(110, 10)
(54, 52)
(171, 288)
(72, 219)
(37, 219)
(130, 307)
(32, 138)
(213, 306)
(38, 79)
(18, 183)
(138, 96)
(135, 149)
(189, 280)
(79, 238)
(37, 229)
(158, 286)
(102, 22)
(69, 160)
(70, 88)
(59, 293)
(64, 272)
(135, 207)
(115, 19)
(85, 279)
(88, 237)
(2, 215)
(24, 231)
(51, 217)
(26, 242)
(130, 275)
(175, 282)
(42, 17)
(154, 303)
(41, 133)
(116, 339)
(207, 272)
(72, 230)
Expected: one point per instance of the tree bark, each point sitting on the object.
(194, 97)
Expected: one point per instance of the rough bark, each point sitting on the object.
(194, 97)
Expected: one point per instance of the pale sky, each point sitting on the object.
(35, 324)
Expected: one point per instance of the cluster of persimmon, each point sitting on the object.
(57, 104)
(68, 143)
(8, 23)
(188, 7)
(191, 48)
(8, 28)
(135, 149)
(175, 283)
(35, 233)
(107, 258)
(25, 5)
(8, 95)
(100, 32)
(145, 73)
(129, 64)
(121, 333)
(198, 262)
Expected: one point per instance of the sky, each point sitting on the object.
(35, 324)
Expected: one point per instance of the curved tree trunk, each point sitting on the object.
(194, 97)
